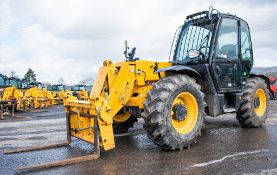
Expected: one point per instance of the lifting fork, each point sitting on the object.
(73, 160)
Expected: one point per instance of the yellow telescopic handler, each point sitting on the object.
(7, 102)
(209, 74)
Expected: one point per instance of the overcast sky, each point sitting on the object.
(70, 39)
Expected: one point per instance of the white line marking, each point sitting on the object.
(225, 157)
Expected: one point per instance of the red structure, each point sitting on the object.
(273, 88)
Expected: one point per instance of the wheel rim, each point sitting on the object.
(122, 117)
(188, 122)
(261, 106)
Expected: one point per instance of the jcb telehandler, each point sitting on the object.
(18, 89)
(208, 75)
(59, 91)
(7, 102)
(79, 91)
(36, 93)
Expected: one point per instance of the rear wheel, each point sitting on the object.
(254, 103)
(122, 122)
(174, 112)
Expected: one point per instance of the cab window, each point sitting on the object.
(245, 42)
(40, 86)
(227, 45)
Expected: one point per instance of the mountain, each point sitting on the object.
(269, 71)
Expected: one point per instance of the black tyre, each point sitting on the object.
(174, 112)
(254, 103)
(122, 122)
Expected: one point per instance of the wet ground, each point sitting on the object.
(223, 148)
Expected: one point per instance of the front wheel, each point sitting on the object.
(174, 112)
(123, 121)
(254, 103)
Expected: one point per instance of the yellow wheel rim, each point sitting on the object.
(188, 100)
(122, 117)
(260, 109)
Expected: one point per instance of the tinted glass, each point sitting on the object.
(245, 42)
(227, 45)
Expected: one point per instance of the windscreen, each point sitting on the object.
(60, 88)
(13, 83)
(24, 83)
(77, 88)
(195, 35)
(40, 86)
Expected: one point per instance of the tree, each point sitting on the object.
(13, 74)
(30, 76)
(61, 81)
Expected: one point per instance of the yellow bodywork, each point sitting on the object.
(6, 94)
(50, 97)
(55, 96)
(64, 94)
(58, 96)
(37, 96)
(22, 102)
(82, 95)
(12, 93)
(124, 84)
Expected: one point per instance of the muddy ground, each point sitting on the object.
(223, 148)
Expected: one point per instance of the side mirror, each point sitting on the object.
(194, 53)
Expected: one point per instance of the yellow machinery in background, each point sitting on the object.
(19, 88)
(36, 93)
(59, 91)
(79, 91)
(31, 95)
(7, 102)
(50, 97)
(17, 94)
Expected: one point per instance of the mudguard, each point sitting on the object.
(180, 69)
(265, 78)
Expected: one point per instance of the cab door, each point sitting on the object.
(246, 51)
(226, 65)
